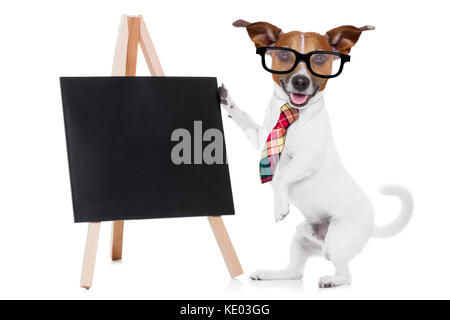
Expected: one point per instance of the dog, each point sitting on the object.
(339, 218)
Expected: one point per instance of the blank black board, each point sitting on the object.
(118, 132)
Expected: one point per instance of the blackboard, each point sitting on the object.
(120, 134)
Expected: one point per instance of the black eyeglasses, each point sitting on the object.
(323, 64)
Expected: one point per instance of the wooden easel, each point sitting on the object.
(133, 32)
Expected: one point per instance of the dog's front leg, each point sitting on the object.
(252, 130)
(292, 168)
(280, 188)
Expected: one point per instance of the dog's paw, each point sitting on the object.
(258, 275)
(281, 211)
(223, 94)
(333, 282)
(262, 275)
(326, 282)
(281, 202)
(225, 99)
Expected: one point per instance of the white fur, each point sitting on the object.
(302, 45)
(311, 176)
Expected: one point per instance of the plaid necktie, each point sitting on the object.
(275, 142)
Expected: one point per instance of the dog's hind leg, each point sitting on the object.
(346, 237)
(302, 248)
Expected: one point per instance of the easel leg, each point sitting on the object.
(226, 247)
(125, 62)
(90, 254)
(117, 240)
(134, 25)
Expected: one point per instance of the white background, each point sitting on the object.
(389, 110)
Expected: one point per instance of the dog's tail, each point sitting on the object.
(403, 218)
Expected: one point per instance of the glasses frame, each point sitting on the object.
(302, 57)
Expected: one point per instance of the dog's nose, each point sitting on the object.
(300, 82)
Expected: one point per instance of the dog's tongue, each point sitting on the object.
(298, 98)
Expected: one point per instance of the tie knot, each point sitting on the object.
(288, 115)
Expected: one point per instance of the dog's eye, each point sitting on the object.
(284, 55)
(319, 59)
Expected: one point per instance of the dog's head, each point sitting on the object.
(302, 81)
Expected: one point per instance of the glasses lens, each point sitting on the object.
(325, 64)
(279, 60)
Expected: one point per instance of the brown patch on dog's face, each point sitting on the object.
(303, 43)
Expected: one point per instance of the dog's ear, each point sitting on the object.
(263, 34)
(342, 39)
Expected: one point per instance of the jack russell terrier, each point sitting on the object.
(339, 218)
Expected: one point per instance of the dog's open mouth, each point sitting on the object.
(298, 100)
